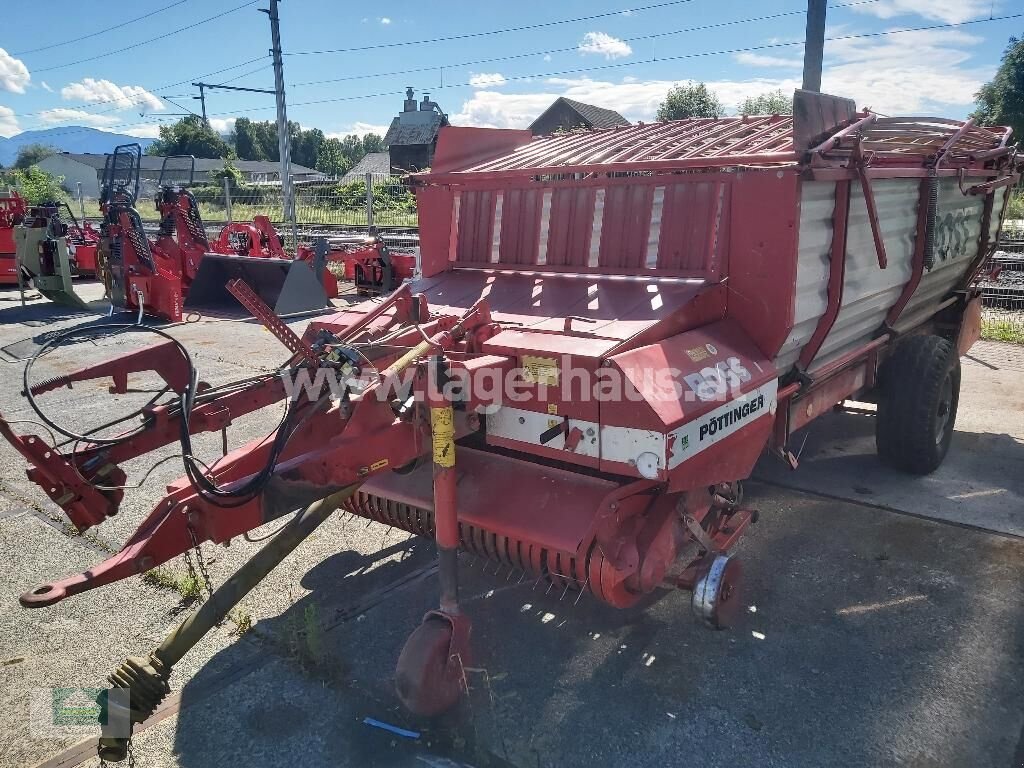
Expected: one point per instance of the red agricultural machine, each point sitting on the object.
(12, 213)
(179, 269)
(371, 266)
(612, 327)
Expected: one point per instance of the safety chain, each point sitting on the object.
(207, 582)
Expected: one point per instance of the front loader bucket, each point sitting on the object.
(290, 287)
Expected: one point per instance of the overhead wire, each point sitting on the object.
(150, 40)
(653, 60)
(105, 31)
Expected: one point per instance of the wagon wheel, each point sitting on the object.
(716, 596)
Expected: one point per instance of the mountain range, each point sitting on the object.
(67, 138)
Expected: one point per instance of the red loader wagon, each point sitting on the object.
(612, 327)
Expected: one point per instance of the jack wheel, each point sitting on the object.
(716, 598)
(427, 679)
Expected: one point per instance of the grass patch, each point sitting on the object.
(242, 620)
(187, 586)
(1003, 330)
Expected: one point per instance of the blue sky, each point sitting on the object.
(625, 59)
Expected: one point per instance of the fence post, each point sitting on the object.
(81, 200)
(227, 200)
(369, 201)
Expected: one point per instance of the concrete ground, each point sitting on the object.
(885, 620)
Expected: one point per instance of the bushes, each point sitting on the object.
(35, 185)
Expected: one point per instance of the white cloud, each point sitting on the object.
(141, 131)
(76, 116)
(8, 122)
(384, 20)
(603, 44)
(907, 72)
(46, 86)
(105, 92)
(949, 11)
(547, 57)
(14, 74)
(222, 124)
(358, 129)
(486, 80)
(757, 60)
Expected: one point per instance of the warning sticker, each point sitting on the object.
(698, 353)
(378, 465)
(442, 424)
(541, 370)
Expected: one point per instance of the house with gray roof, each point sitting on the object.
(566, 114)
(412, 136)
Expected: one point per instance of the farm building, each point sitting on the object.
(87, 170)
(412, 136)
(565, 114)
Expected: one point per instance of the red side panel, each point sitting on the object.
(763, 255)
(461, 147)
(571, 225)
(691, 219)
(435, 214)
(626, 226)
(476, 225)
(520, 225)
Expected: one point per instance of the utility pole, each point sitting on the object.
(283, 141)
(814, 45)
(202, 99)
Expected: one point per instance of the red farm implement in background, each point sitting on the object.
(12, 213)
(611, 328)
(371, 266)
(180, 269)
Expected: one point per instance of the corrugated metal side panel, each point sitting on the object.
(688, 210)
(572, 217)
(868, 291)
(476, 223)
(626, 226)
(520, 226)
(957, 240)
(817, 202)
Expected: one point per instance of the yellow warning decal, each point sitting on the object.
(442, 424)
(553, 409)
(697, 354)
(378, 465)
(541, 370)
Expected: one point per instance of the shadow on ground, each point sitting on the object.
(870, 639)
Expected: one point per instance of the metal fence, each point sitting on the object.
(372, 201)
(1003, 297)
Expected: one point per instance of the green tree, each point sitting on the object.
(248, 140)
(33, 154)
(1001, 100)
(190, 136)
(230, 172)
(690, 100)
(331, 160)
(35, 185)
(373, 143)
(770, 103)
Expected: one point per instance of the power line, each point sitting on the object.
(150, 40)
(158, 90)
(680, 57)
(104, 31)
(471, 35)
(514, 56)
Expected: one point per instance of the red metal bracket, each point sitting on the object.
(248, 299)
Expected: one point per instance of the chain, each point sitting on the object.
(207, 582)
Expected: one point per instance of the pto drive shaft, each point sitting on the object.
(146, 678)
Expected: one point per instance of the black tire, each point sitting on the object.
(919, 389)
